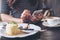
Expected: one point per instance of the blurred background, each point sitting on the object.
(53, 5)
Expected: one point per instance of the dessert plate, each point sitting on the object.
(29, 32)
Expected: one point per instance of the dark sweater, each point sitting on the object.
(20, 5)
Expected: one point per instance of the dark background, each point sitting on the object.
(54, 5)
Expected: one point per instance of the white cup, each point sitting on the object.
(53, 21)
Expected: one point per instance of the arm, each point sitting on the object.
(8, 18)
(5, 9)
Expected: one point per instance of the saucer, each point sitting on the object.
(47, 25)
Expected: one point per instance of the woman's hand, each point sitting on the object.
(25, 14)
(37, 15)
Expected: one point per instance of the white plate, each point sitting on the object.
(2, 24)
(32, 26)
(46, 24)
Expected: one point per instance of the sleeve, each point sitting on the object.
(39, 4)
(4, 7)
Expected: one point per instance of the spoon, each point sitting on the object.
(27, 26)
(21, 28)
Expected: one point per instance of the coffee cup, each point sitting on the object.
(53, 20)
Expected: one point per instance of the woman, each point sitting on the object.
(11, 10)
